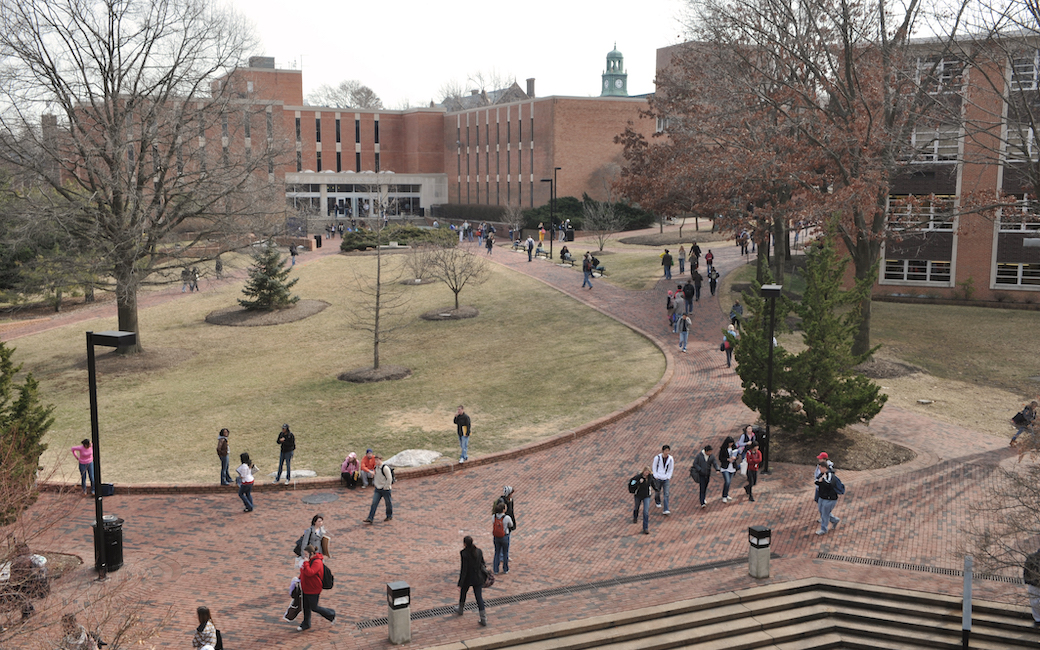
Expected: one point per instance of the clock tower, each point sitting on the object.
(615, 79)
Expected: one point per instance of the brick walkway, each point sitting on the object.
(573, 511)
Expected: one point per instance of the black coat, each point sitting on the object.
(702, 466)
(642, 486)
(509, 510)
(470, 572)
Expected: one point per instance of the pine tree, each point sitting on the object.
(269, 283)
(23, 424)
(822, 377)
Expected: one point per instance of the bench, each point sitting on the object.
(570, 261)
(519, 246)
(544, 253)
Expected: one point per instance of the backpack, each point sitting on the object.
(633, 484)
(669, 304)
(393, 475)
(1020, 419)
(327, 579)
(298, 549)
(498, 527)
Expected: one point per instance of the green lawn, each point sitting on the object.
(518, 368)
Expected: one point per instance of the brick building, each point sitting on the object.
(489, 148)
(943, 247)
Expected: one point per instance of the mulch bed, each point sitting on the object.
(848, 449)
(238, 317)
(371, 375)
(451, 314)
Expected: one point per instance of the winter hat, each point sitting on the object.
(351, 455)
(507, 490)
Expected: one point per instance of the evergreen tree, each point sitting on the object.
(23, 424)
(269, 283)
(821, 378)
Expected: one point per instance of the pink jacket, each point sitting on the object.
(83, 454)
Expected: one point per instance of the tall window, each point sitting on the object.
(357, 132)
(337, 130)
(298, 134)
(357, 161)
(339, 161)
(377, 160)
(299, 161)
(317, 129)
(1024, 71)
(245, 123)
(377, 131)
(319, 161)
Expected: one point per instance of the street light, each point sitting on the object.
(113, 339)
(553, 185)
(771, 291)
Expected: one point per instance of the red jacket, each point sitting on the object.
(311, 573)
(754, 459)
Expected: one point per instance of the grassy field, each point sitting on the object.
(517, 367)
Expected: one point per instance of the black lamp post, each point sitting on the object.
(552, 208)
(771, 291)
(112, 340)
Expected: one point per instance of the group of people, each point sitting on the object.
(668, 261)
(190, 279)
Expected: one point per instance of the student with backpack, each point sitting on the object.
(312, 578)
(829, 487)
(383, 481)
(639, 487)
(501, 524)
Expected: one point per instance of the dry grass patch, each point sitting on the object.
(519, 378)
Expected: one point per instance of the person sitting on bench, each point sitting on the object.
(565, 255)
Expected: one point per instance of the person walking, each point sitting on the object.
(1031, 576)
(194, 278)
(709, 258)
(530, 248)
(218, 267)
(315, 535)
(586, 269)
(698, 281)
(830, 486)
(287, 440)
(383, 482)
(501, 524)
(735, 314)
(84, 455)
(666, 262)
(729, 341)
(312, 571)
(1023, 420)
(688, 293)
(245, 481)
(489, 243)
(662, 468)
(713, 280)
(471, 574)
(292, 254)
(695, 255)
(682, 259)
(701, 471)
(508, 493)
(463, 426)
(730, 461)
(541, 232)
(222, 454)
(747, 436)
(754, 461)
(685, 324)
(639, 486)
(206, 633)
(185, 279)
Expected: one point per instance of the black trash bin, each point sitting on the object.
(317, 241)
(113, 543)
(569, 235)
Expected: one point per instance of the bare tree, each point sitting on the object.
(514, 216)
(419, 262)
(350, 93)
(380, 308)
(141, 140)
(488, 80)
(603, 219)
(1003, 524)
(457, 268)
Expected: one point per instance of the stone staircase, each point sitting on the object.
(805, 614)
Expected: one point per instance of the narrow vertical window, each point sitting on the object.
(299, 161)
(319, 161)
(298, 133)
(357, 132)
(377, 157)
(377, 133)
(245, 123)
(337, 130)
(223, 125)
(270, 126)
(317, 129)
(339, 161)
(357, 161)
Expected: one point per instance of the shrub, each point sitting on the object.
(402, 234)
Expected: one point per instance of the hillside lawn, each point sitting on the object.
(519, 368)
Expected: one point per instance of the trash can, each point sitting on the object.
(317, 241)
(569, 235)
(107, 489)
(113, 543)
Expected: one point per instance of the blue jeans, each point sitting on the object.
(464, 446)
(1013, 438)
(502, 553)
(646, 511)
(727, 478)
(587, 280)
(245, 492)
(225, 476)
(682, 265)
(85, 470)
(286, 458)
(689, 304)
(477, 593)
(683, 337)
(703, 481)
(667, 273)
(826, 507)
(663, 493)
(381, 494)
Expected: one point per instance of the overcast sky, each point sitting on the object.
(405, 50)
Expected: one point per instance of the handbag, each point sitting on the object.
(298, 549)
(489, 578)
(743, 467)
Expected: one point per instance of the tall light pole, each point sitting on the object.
(771, 291)
(552, 184)
(113, 340)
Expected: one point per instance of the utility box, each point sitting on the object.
(399, 612)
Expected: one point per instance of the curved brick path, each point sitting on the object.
(573, 511)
